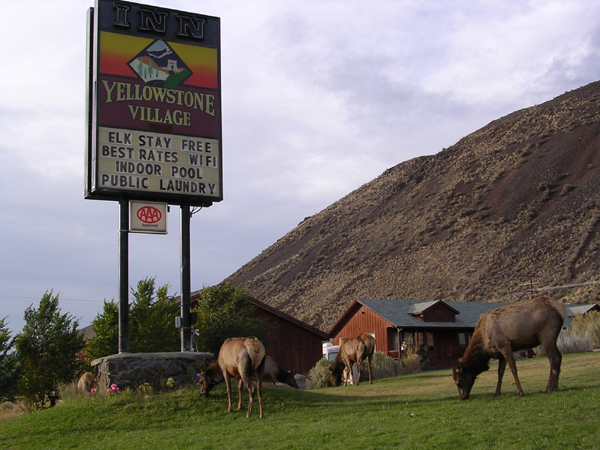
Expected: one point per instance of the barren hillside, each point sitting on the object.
(514, 202)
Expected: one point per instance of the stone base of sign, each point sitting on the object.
(131, 370)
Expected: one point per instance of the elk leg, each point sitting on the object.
(250, 387)
(348, 364)
(240, 392)
(555, 359)
(259, 389)
(359, 369)
(501, 367)
(510, 358)
(259, 375)
(369, 365)
(228, 384)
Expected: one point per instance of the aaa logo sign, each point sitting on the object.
(149, 214)
(147, 217)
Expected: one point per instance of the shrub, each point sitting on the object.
(68, 391)
(319, 376)
(570, 342)
(588, 325)
(384, 367)
(411, 360)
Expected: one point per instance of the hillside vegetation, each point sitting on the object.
(512, 206)
(417, 411)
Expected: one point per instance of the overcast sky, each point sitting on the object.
(319, 97)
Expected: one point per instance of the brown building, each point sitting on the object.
(296, 346)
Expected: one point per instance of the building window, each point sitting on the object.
(420, 338)
(430, 340)
(394, 335)
(463, 341)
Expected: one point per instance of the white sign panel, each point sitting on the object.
(147, 217)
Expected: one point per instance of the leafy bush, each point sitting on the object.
(588, 325)
(411, 360)
(570, 342)
(384, 367)
(319, 376)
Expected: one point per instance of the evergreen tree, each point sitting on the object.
(152, 319)
(48, 349)
(9, 369)
(223, 312)
(106, 332)
(152, 329)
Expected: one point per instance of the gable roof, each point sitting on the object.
(400, 313)
(424, 306)
(288, 318)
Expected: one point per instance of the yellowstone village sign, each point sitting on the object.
(154, 105)
(153, 125)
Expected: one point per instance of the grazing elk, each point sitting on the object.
(241, 358)
(502, 331)
(353, 350)
(274, 373)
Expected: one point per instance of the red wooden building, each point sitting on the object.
(296, 346)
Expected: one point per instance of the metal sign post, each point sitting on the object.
(123, 276)
(186, 331)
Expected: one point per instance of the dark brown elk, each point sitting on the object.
(353, 350)
(501, 332)
(275, 374)
(240, 358)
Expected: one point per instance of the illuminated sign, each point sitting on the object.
(154, 105)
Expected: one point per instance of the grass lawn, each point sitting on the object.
(420, 411)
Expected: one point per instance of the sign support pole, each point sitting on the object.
(186, 331)
(123, 275)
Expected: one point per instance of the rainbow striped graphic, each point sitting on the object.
(118, 50)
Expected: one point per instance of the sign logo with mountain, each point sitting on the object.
(158, 65)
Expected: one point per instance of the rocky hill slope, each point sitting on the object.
(511, 207)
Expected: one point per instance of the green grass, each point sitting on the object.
(420, 411)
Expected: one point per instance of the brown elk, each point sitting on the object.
(86, 382)
(502, 331)
(241, 358)
(273, 373)
(353, 350)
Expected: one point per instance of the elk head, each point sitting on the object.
(464, 380)
(205, 383)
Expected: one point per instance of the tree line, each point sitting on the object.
(51, 351)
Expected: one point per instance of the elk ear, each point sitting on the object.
(458, 368)
(202, 367)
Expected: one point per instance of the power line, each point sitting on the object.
(7, 297)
